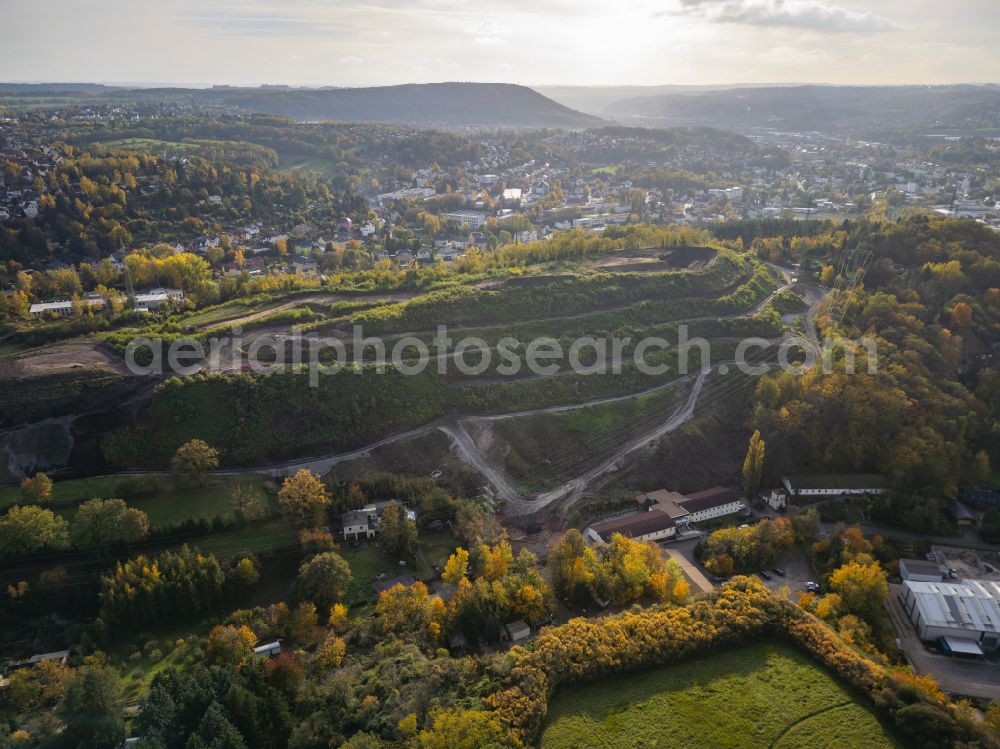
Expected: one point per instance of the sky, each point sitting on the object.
(532, 42)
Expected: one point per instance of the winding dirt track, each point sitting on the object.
(465, 447)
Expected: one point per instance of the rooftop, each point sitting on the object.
(837, 481)
(709, 498)
(973, 605)
(638, 524)
(921, 567)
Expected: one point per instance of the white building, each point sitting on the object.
(518, 630)
(966, 613)
(729, 193)
(153, 299)
(64, 307)
(363, 523)
(652, 525)
(777, 499)
(268, 650)
(834, 485)
(711, 503)
(473, 219)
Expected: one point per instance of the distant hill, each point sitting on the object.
(870, 109)
(597, 99)
(431, 104)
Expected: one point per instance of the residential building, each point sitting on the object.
(363, 523)
(472, 219)
(920, 570)
(834, 485)
(964, 614)
(777, 499)
(981, 499)
(961, 514)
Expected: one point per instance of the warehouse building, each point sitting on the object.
(963, 616)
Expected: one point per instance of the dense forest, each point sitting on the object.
(927, 295)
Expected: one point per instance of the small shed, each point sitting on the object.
(518, 630)
(269, 650)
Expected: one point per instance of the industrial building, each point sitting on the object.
(963, 616)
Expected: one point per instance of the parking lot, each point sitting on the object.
(797, 568)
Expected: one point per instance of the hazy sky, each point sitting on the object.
(338, 42)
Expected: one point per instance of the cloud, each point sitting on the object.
(352, 60)
(801, 14)
(488, 33)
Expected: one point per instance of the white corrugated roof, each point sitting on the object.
(969, 604)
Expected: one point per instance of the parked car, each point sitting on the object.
(778, 571)
(812, 587)
(765, 574)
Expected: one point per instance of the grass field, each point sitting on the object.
(367, 562)
(166, 506)
(761, 695)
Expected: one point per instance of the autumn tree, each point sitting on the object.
(753, 465)
(463, 729)
(193, 459)
(337, 619)
(103, 522)
(827, 275)
(230, 645)
(37, 489)
(961, 315)
(456, 567)
(323, 579)
(248, 502)
(246, 571)
(403, 608)
(397, 532)
(331, 652)
(304, 498)
(863, 588)
(30, 528)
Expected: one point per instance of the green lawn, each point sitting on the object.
(761, 695)
(261, 538)
(367, 562)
